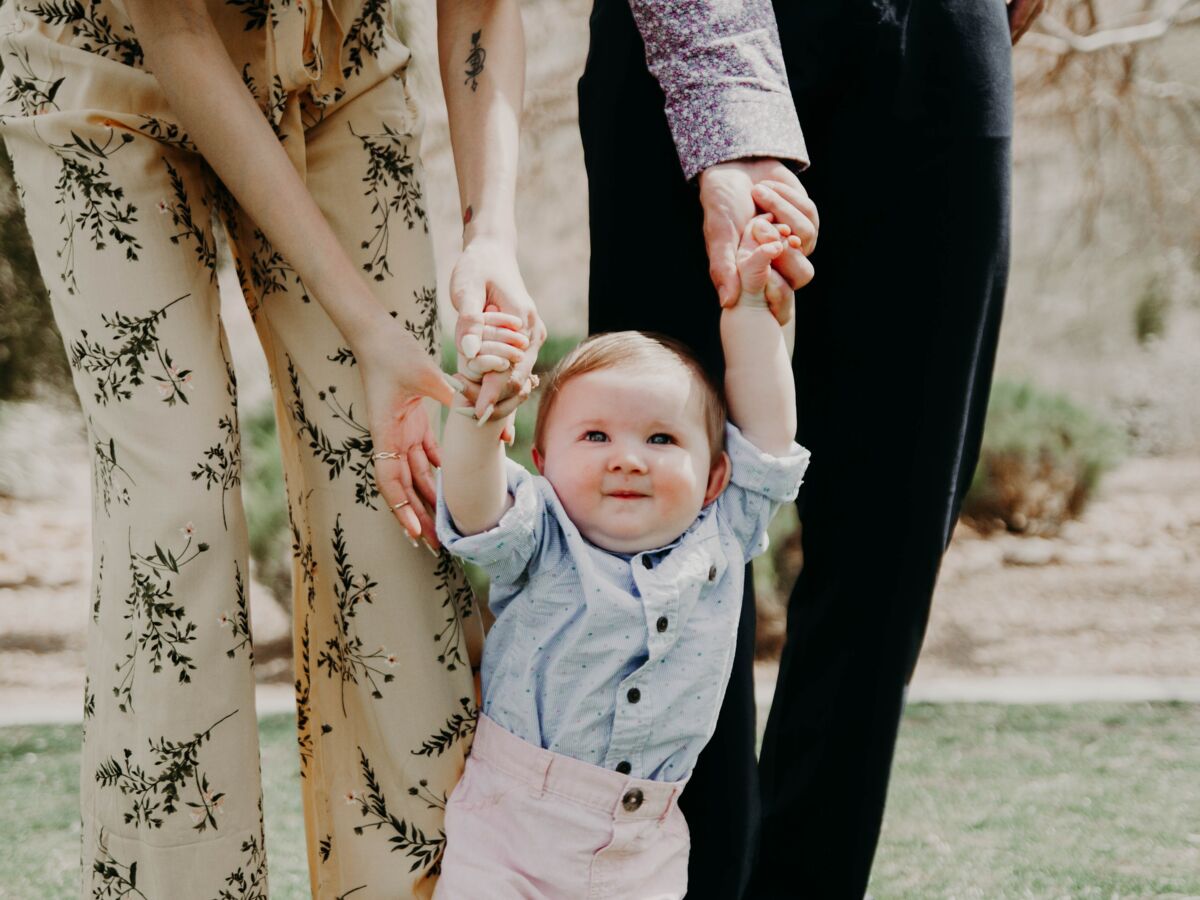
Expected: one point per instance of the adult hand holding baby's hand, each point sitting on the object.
(487, 274)
(731, 193)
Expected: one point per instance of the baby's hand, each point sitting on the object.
(502, 347)
(763, 241)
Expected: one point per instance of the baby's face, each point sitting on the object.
(627, 454)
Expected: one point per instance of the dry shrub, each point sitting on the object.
(1041, 461)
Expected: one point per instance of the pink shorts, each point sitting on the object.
(528, 824)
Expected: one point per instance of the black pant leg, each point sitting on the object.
(895, 346)
(635, 183)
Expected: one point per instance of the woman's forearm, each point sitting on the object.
(481, 49)
(214, 107)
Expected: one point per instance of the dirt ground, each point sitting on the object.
(1118, 593)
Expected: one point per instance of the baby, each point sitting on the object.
(616, 583)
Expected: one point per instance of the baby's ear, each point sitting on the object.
(718, 477)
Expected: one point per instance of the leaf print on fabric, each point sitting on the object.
(249, 880)
(35, 95)
(222, 462)
(118, 371)
(458, 603)
(166, 132)
(458, 727)
(89, 702)
(302, 553)
(109, 477)
(275, 104)
(94, 31)
(91, 203)
(344, 654)
(239, 622)
(181, 215)
(157, 794)
(343, 357)
(364, 38)
(353, 454)
(117, 881)
(426, 852)
(425, 331)
(256, 13)
(158, 626)
(304, 703)
(96, 591)
(270, 272)
(391, 181)
(325, 847)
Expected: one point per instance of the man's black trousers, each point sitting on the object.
(907, 115)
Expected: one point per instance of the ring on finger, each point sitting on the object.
(400, 505)
(387, 454)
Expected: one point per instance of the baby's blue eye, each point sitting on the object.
(661, 438)
(595, 437)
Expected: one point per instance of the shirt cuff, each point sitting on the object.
(505, 549)
(713, 127)
(776, 477)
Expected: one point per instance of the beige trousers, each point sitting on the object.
(121, 210)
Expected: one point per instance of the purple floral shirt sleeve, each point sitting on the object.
(721, 68)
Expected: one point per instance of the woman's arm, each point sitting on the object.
(481, 49)
(202, 86)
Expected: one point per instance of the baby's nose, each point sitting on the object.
(626, 461)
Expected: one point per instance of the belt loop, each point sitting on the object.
(670, 802)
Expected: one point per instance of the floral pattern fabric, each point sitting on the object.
(123, 211)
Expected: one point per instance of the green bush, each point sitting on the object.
(1041, 460)
(32, 359)
(265, 499)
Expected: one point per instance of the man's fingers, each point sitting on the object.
(721, 241)
(795, 268)
(782, 202)
(781, 299)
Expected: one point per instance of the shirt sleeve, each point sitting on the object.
(506, 549)
(759, 485)
(720, 65)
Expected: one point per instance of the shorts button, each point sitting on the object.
(634, 695)
(624, 767)
(661, 624)
(712, 573)
(632, 801)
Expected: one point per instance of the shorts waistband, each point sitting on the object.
(624, 797)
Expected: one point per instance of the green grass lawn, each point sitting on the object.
(1094, 800)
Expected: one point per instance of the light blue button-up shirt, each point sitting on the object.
(619, 658)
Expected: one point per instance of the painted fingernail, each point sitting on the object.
(429, 547)
(412, 540)
(470, 345)
(465, 411)
(487, 411)
(454, 383)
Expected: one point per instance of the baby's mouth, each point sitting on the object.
(626, 495)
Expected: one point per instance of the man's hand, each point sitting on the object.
(1021, 14)
(729, 193)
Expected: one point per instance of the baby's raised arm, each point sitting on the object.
(473, 481)
(759, 387)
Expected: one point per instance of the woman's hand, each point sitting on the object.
(486, 275)
(396, 374)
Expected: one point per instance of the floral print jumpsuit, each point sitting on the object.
(121, 209)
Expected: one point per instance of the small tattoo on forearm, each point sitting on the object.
(475, 61)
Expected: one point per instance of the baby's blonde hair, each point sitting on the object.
(617, 349)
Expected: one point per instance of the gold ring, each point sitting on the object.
(400, 505)
(387, 454)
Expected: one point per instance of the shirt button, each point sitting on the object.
(661, 624)
(712, 573)
(646, 562)
(632, 801)
(634, 695)
(624, 767)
